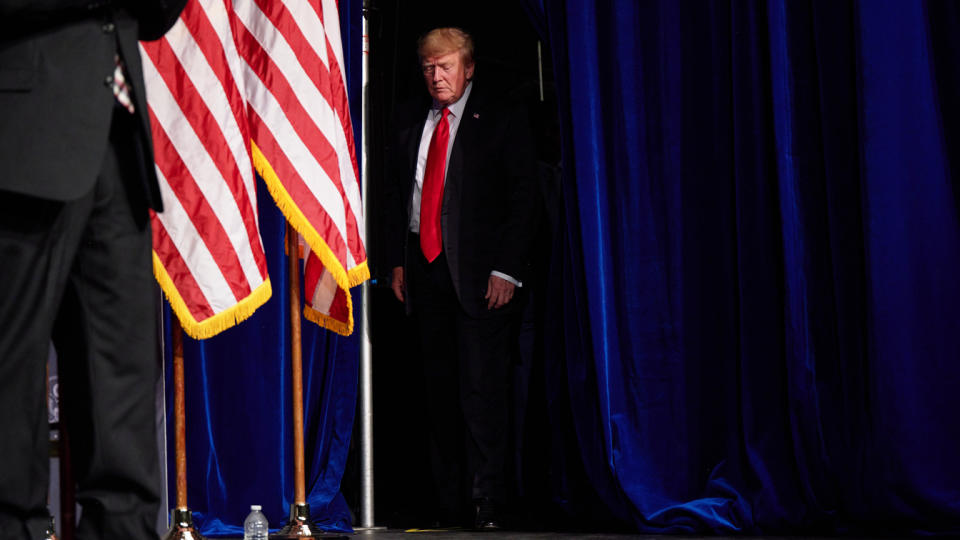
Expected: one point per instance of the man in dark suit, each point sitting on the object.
(76, 185)
(462, 207)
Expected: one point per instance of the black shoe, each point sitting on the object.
(488, 515)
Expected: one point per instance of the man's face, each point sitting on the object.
(446, 76)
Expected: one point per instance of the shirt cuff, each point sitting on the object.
(506, 277)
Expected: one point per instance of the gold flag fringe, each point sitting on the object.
(219, 322)
(330, 323)
(345, 278)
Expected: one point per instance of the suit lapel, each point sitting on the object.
(413, 145)
(451, 215)
(463, 141)
(412, 142)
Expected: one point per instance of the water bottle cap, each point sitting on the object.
(255, 507)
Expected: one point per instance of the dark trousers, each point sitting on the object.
(79, 272)
(466, 363)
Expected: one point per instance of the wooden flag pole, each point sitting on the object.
(299, 525)
(181, 525)
(179, 413)
(296, 359)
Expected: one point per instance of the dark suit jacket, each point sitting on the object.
(490, 198)
(55, 104)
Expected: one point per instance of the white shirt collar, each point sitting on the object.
(457, 107)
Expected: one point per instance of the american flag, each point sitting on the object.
(239, 86)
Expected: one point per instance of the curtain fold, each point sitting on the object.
(759, 259)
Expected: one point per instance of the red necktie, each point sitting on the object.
(431, 198)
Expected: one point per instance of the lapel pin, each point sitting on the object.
(476, 115)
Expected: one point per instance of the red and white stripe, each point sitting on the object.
(300, 120)
(265, 71)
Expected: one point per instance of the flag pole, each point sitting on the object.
(299, 525)
(366, 348)
(181, 523)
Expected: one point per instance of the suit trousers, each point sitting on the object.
(467, 381)
(79, 272)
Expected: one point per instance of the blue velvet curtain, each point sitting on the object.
(238, 393)
(759, 272)
(239, 411)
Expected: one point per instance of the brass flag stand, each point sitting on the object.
(299, 525)
(181, 523)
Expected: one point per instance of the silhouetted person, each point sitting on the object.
(75, 260)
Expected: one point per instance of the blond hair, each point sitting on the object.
(441, 41)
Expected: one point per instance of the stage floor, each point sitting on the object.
(416, 534)
(465, 534)
(456, 534)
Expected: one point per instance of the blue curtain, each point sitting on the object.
(759, 269)
(239, 411)
(238, 392)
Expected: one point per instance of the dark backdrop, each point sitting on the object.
(507, 59)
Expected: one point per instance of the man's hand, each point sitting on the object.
(499, 292)
(397, 283)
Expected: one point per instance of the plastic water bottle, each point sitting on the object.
(255, 526)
